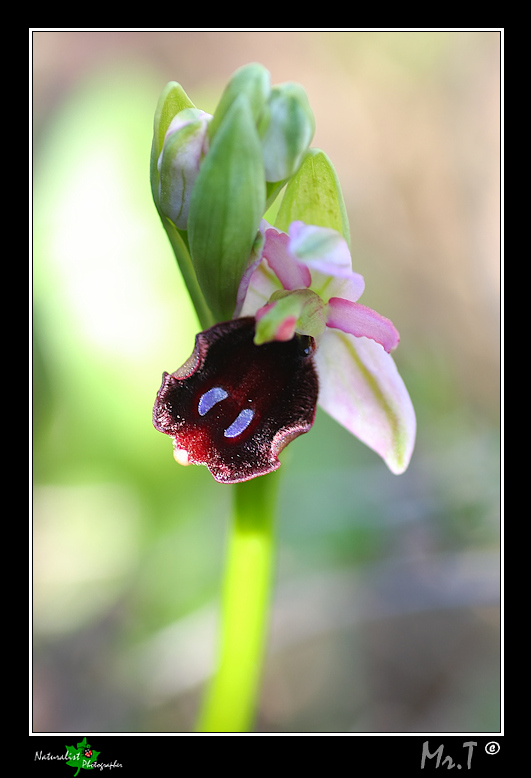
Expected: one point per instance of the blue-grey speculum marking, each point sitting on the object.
(211, 398)
(242, 421)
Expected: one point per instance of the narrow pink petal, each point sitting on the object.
(361, 321)
(360, 387)
(292, 274)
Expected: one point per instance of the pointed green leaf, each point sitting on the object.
(314, 196)
(227, 204)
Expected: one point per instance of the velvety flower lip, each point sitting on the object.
(233, 405)
(359, 384)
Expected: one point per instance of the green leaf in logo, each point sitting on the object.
(82, 756)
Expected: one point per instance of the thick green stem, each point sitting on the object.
(231, 700)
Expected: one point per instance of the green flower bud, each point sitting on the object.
(182, 152)
(286, 130)
(172, 100)
(252, 80)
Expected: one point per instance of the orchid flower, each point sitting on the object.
(282, 331)
(298, 336)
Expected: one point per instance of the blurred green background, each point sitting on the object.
(386, 606)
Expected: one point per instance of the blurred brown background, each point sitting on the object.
(386, 608)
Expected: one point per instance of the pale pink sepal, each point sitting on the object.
(320, 247)
(291, 273)
(358, 320)
(326, 254)
(360, 387)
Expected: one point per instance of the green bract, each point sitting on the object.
(314, 196)
(227, 205)
(171, 102)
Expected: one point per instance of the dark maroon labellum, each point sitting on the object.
(233, 406)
